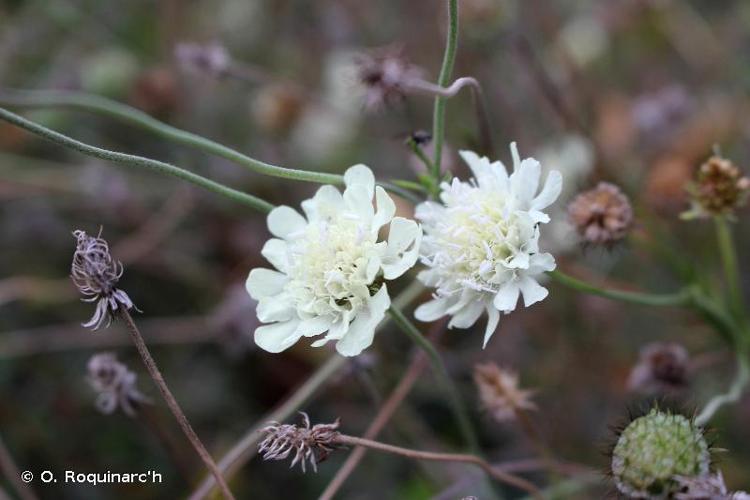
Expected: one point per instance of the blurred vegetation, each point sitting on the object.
(652, 86)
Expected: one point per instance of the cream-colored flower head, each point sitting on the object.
(331, 268)
(481, 244)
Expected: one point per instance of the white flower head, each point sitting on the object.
(331, 268)
(481, 244)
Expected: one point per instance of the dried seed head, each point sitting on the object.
(661, 367)
(386, 74)
(309, 444)
(210, 59)
(95, 274)
(602, 216)
(114, 383)
(656, 449)
(499, 393)
(719, 189)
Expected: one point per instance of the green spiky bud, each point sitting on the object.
(654, 450)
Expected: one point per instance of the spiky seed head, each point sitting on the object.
(310, 444)
(499, 393)
(115, 384)
(656, 449)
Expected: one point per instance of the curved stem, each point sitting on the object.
(96, 104)
(731, 396)
(136, 161)
(681, 298)
(449, 58)
(442, 374)
(493, 472)
(172, 403)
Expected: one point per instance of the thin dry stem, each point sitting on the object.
(417, 366)
(172, 403)
(493, 472)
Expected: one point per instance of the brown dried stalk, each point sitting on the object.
(172, 402)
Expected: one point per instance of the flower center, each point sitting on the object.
(329, 266)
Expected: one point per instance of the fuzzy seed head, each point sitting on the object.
(308, 444)
(602, 216)
(95, 273)
(499, 393)
(385, 73)
(719, 188)
(654, 451)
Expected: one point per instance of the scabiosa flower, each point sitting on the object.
(654, 451)
(602, 216)
(309, 444)
(114, 383)
(331, 267)
(719, 189)
(481, 244)
(499, 392)
(95, 274)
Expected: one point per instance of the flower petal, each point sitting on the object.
(262, 282)
(506, 298)
(362, 329)
(275, 252)
(399, 257)
(525, 181)
(277, 337)
(326, 203)
(359, 202)
(434, 309)
(541, 262)
(276, 308)
(386, 208)
(284, 221)
(550, 191)
(532, 291)
(360, 175)
(313, 326)
(468, 315)
(493, 318)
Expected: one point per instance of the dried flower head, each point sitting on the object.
(656, 449)
(661, 367)
(719, 189)
(114, 383)
(386, 74)
(309, 444)
(499, 392)
(95, 274)
(602, 216)
(210, 59)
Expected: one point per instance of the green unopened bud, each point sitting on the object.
(656, 449)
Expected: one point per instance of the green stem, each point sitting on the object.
(449, 59)
(731, 268)
(136, 161)
(96, 104)
(442, 374)
(681, 298)
(732, 395)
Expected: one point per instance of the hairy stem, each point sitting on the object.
(127, 114)
(174, 407)
(96, 104)
(136, 161)
(493, 472)
(681, 298)
(449, 59)
(462, 416)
